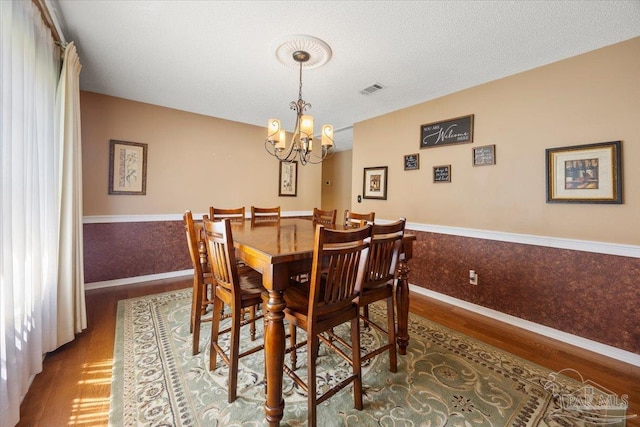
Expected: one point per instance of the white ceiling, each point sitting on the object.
(217, 58)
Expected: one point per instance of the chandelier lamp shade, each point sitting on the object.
(301, 147)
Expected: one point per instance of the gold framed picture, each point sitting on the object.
(127, 168)
(590, 173)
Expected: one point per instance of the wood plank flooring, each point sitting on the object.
(74, 387)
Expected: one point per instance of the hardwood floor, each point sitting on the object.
(74, 387)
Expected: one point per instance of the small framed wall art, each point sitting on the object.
(484, 156)
(412, 162)
(590, 173)
(288, 179)
(442, 173)
(127, 168)
(374, 183)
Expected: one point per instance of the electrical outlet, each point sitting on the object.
(473, 277)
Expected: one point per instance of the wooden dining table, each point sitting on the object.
(282, 250)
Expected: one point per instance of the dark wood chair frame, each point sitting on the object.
(354, 219)
(234, 214)
(326, 217)
(265, 215)
(239, 290)
(327, 301)
(202, 279)
(379, 281)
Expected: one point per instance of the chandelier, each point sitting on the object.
(301, 147)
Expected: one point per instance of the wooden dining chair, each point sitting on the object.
(234, 214)
(265, 215)
(237, 291)
(339, 258)
(324, 216)
(354, 219)
(202, 280)
(378, 284)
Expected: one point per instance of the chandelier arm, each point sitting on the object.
(300, 146)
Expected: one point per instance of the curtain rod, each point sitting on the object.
(49, 18)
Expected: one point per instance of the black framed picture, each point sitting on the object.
(374, 184)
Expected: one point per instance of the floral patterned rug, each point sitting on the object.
(446, 379)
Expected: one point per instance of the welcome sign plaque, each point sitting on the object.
(453, 131)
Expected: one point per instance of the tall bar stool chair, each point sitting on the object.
(354, 219)
(265, 216)
(202, 279)
(238, 291)
(326, 217)
(378, 284)
(234, 214)
(339, 258)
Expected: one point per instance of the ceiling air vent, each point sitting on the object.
(371, 89)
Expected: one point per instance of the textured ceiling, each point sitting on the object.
(217, 58)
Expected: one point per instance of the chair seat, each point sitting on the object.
(297, 299)
(251, 288)
(371, 294)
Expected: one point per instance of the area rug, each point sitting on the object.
(445, 379)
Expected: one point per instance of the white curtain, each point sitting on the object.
(37, 296)
(71, 305)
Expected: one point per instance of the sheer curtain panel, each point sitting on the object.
(32, 167)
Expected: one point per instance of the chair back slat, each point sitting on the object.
(384, 252)
(327, 217)
(339, 259)
(221, 254)
(194, 237)
(234, 214)
(354, 219)
(265, 215)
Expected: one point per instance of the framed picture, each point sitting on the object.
(288, 179)
(590, 173)
(453, 131)
(127, 168)
(411, 162)
(485, 155)
(374, 184)
(442, 173)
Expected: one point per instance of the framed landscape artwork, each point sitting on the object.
(590, 173)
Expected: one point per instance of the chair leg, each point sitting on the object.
(215, 327)
(234, 347)
(252, 327)
(391, 333)
(293, 338)
(196, 317)
(357, 369)
(312, 355)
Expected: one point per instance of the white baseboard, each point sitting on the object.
(584, 343)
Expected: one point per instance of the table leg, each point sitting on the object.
(402, 301)
(274, 349)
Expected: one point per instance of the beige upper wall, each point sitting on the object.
(594, 97)
(336, 182)
(194, 161)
